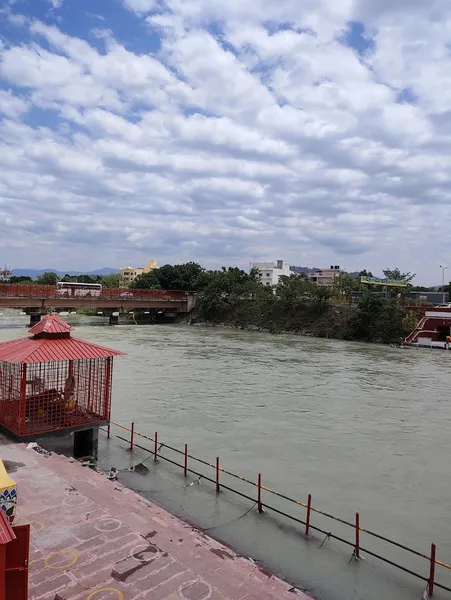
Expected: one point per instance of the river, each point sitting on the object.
(361, 427)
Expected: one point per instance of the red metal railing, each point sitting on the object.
(354, 544)
(123, 294)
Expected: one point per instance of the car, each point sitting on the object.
(125, 295)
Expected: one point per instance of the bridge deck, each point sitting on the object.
(47, 296)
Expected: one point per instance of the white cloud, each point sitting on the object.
(253, 131)
(12, 106)
(141, 7)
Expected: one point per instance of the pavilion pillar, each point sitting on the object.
(23, 399)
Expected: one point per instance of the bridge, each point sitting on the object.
(40, 299)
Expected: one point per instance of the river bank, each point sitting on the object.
(92, 538)
(372, 320)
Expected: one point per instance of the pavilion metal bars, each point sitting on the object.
(10, 395)
(56, 395)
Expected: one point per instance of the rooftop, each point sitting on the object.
(51, 342)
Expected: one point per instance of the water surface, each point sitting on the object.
(360, 427)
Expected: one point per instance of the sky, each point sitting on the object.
(317, 132)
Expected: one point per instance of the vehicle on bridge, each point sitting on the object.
(71, 289)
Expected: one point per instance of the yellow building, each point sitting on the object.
(129, 274)
(150, 266)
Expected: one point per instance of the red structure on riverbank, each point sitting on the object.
(52, 382)
(433, 329)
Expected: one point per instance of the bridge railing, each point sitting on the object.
(20, 290)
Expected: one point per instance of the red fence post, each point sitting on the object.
(309, 508)
(259, 493)
(217, 475)
(432, 572)
(132, 436)
(185, 466)
(357, 536)
(155, 453)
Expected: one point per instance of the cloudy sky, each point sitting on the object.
(316, 131)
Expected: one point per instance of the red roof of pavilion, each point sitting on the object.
(43, 349)
(6, 532)
(51, 324)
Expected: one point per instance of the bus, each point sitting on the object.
(70, 288)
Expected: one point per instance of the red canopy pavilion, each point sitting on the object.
(52, 382)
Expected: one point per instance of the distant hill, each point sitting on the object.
(33, 273)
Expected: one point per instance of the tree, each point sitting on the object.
(221, 292)
(146, 281)
(293, 290)
(19, 279)
(379, 320)
(48, 278)
(179, 277)
(344, 284)
(366, 273)
(111, 281)
(397, 275)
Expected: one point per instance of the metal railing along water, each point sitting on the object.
(310, 509)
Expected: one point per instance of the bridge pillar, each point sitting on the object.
(34, 318)
(114, 319)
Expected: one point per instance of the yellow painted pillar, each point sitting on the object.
(8, 493)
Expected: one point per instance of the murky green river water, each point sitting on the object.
(360, 427)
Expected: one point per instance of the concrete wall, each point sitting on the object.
(62, 442)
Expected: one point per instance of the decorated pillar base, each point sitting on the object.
(8, 493)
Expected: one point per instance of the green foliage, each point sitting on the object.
(19, 279)
(398, 275)
(82, 278)
(111, 281)
(235, 297)
(147, 281)
(179, 277)
(87, 312)
(379, 320)
(171, 277)
(221, 292)
(344, 285)
(49, 278)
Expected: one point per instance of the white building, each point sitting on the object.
(271, 272)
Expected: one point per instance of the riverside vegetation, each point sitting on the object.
(233, 297)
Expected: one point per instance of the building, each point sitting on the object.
(5, 274)
(150, 266)
(433, 329)
(326, 276)
(271, 272)
(129, 274)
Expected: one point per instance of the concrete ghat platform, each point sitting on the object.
(97, 540)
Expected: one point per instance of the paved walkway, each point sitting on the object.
(97, 540)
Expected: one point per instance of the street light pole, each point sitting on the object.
(443, 282)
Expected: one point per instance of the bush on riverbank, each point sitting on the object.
(235, 298)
